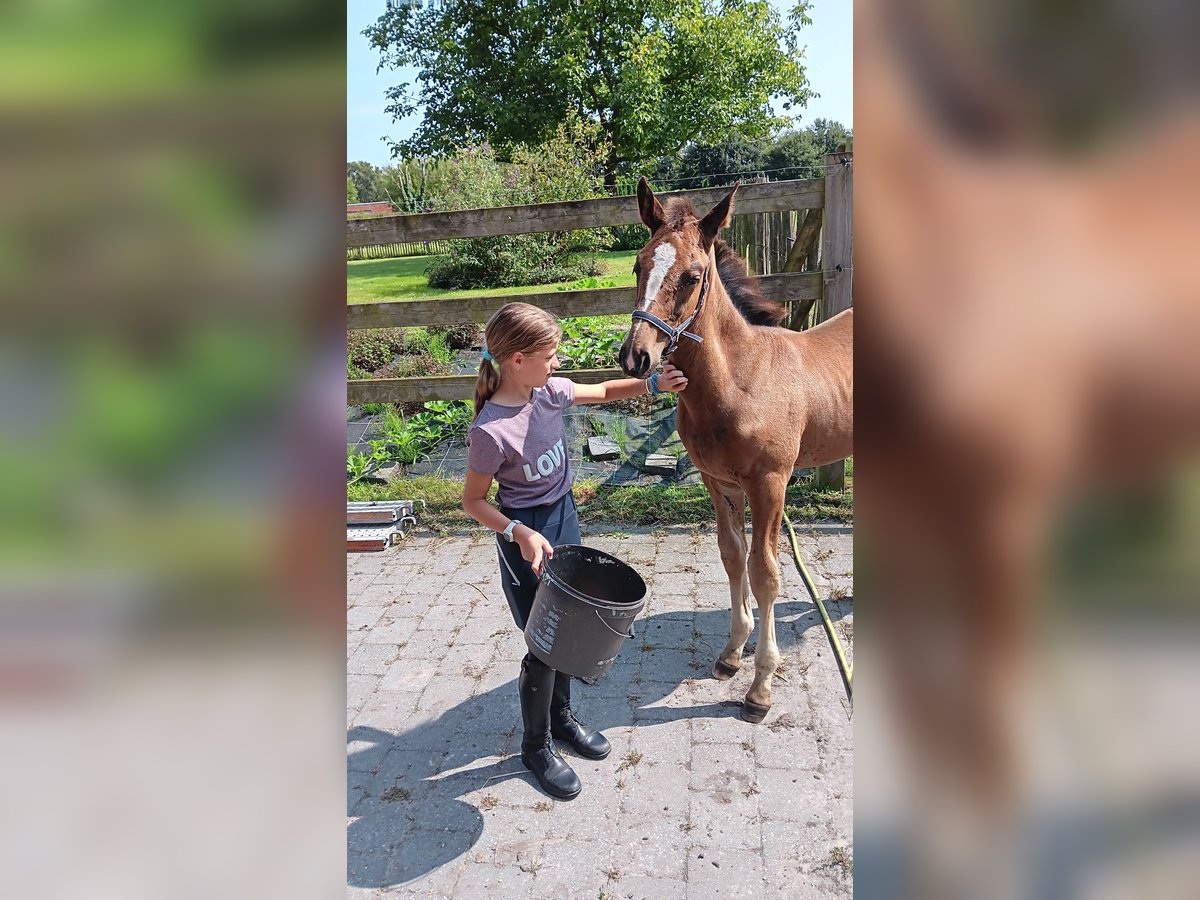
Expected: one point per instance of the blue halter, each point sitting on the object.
(674, 334)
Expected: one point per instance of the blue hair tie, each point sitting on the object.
(488, 356)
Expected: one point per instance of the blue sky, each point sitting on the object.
(829, 56)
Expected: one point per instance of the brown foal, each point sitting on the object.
(761, 401)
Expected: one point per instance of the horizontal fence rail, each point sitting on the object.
(444, 387)
(774, 196)
(784, 288)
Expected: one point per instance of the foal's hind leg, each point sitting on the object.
(730, 504)
(766, 514)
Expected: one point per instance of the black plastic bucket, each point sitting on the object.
(583, 610)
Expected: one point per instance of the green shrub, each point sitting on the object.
(629, 237)
(429, 341)
(371, 349)
(566, 167)
(508, 261)
(459, 337)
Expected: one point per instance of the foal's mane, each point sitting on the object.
(754, 307)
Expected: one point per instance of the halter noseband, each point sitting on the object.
(674, 334)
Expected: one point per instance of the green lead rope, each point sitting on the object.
(847, 670)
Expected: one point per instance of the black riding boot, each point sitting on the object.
(563, 725)
(538, 753)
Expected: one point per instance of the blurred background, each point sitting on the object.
(1027, 214)
(171, 399)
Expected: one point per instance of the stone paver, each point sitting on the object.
(692, 803)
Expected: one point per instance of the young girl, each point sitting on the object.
(518, 439)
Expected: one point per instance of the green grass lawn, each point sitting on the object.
(375, 280)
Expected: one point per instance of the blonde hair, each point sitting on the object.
(514, 328)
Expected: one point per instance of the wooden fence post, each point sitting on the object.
(802, 257)
(837, 255)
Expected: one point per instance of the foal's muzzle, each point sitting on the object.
(635, 363)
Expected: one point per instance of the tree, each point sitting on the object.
(654, 75)
(791, 154)
(367, 181)
(801, 154)
(829, 135)
(351, 190)
(723, 163)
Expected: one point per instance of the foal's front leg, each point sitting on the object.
(766, 516)
(730, 504)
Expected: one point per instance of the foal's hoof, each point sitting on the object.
(723, 671)
(754, 712)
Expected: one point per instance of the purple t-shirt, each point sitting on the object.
(525, 447)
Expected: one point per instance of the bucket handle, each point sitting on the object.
(614, 631)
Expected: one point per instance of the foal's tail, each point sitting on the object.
(754, 307)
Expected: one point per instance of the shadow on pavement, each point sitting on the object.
(411, 818)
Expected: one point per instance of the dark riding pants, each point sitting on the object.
(558, 523)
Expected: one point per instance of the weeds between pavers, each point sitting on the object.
(785, 721)
(533, 866)
(632, 758)
(841, 860)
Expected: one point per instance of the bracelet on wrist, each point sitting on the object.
(652, 384)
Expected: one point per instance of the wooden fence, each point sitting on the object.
(765, 240)
(395, 251)
(822, 208)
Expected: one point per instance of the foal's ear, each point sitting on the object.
(717, 218)
(649, 207)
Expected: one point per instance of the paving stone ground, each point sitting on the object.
(692, 803)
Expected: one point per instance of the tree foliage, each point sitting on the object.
(410, 185)
(798, 153)
(653, 75)
(801, 154)
(366, 178)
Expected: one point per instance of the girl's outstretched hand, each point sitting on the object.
(671, 379)
(535, 549)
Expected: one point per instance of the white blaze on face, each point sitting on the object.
(664, 258)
